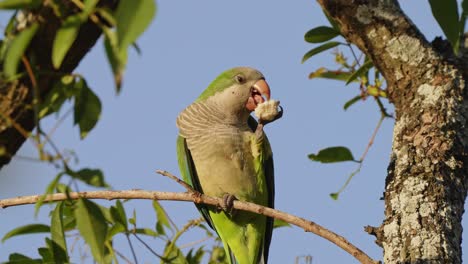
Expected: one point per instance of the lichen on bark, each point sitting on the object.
(427, 179)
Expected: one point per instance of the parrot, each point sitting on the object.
(223, 152)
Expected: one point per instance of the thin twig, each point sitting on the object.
(56, 149)
(131, 248)
(75, 241)
(26, 158)
(92, 16)
(191, 223)
(17, 126)
(59, 122)
(60, 157)
(122, 257)
(364, 154)
(382, 109)
(193, 243)
(348, 180)
(354, 54)
(35, 101)
(371, 140)
(307, 225)
(58, 153)
(147, 246)
(29, 71)
(175, 178)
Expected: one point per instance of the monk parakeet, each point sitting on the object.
(223, 152)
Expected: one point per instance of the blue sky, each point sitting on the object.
(186, 47)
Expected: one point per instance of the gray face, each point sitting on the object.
(233, 99)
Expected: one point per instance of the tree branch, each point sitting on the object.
(192, 196)
(17, 96)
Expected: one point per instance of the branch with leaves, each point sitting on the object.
(360, 69)
(193, 196)
(44, 42)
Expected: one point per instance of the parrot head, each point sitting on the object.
(238, 90)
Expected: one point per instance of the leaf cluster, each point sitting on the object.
(359, 69)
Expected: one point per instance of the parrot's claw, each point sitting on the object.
(228, 203)
(278, 116)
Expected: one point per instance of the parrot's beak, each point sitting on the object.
(259, 90)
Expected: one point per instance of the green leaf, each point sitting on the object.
(92, 226)
(27, 229)
(446, 14)
(335, 75)
(59, 245)
(132, 220)
(280, 223)
(352, 101)
(218, 256)
(133, 17)
(334, 196)
(117, 58)
(46, 253)
(17, 48)
(136, 48)
(19, 4)
(93, 177)
(375, 91)
(173, 255)
(65, 38)
(111, 256)
(63, 188)
(360, 72)
(320, 34)
(195, 258)
(107, 15)
(106, 213)
(464, 7)
(332, 154)
(69, 220)
(89, 6)
(10, 29)
(17, 258)
(53, 102)
(319, 49)
(118, 214)
(145, 231)
(117, 228)
(63, 89)
(50, 189)
(87, 109)
(333, 23)
(162, 219)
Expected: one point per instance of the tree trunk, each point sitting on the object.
(16, 111)
(427, 179)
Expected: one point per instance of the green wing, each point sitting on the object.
(189, 174)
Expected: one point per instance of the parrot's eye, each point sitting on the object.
(240, 79)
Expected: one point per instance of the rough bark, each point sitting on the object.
(16, 97)
(427, 179)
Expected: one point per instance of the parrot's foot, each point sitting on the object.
(228, 203)
(278, 116)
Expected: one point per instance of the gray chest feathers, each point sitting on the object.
(223, 146)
